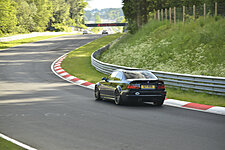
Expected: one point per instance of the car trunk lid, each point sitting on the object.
(146, 85)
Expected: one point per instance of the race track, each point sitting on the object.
(40, 109)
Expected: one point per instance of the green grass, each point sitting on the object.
(6, 145)
(193, 48)
(4, 45)
(195, 97)
(78, 62)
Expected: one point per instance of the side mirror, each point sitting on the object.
(105, 79)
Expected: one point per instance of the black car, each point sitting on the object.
(125, 86)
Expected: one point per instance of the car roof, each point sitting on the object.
(134, 70)
(126, 70)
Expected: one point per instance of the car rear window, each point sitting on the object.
(139, 75)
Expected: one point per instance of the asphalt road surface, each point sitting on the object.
(41, 110)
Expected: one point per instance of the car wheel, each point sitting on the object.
(118, 100)
(97, 94)
(159, 103)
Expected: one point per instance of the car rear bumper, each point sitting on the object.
(143, 96)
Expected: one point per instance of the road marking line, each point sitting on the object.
(16, 142)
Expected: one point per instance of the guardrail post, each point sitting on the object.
(166, 14)
(215, 8)
(194, 12)
(158, 15)
(155, 14)
(183, 14)
(204, 10)
(174, 17)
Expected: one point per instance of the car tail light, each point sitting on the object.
(133, 86)
(160, 86)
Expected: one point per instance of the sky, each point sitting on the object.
(101, 4)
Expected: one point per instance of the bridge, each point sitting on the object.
(105, 24)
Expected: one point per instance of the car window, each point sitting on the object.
(113, 75)
(139, 75)
(116, 76)
(119, 76)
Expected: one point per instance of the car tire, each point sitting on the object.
(97, 94)
(159, 103)
(118, 99)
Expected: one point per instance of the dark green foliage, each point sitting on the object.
(7, 16)
(77, 11)
(21, 16)
(137, 12)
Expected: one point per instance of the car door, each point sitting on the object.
(114, 83)
(103, 86)
(106, 86)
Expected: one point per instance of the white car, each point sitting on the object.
(85, 32)
(104, 32)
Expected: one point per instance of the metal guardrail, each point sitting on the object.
(206, 84)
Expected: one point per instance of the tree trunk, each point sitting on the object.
(138, 19)
(145, 13)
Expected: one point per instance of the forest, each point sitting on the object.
(137, 12)
(23, 16)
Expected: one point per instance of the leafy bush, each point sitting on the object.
(19, 29)
(96, 29)
(61, 28)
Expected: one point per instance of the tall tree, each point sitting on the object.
(26, 11)
(77, 10)
(60, 11)
(97, 18)
(43, 14)
(7, 16)
(36, 15)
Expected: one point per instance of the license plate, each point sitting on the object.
(148, 86)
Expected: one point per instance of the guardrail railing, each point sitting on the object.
(206, 84)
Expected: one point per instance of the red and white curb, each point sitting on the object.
(195, 106)
(16, 142)
(56, 68)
